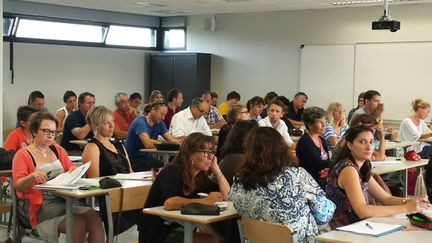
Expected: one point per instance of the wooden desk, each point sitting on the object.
(413, 234)
(164, 153)
(72, 195)
(81, 143)
(190, 222)
(403, 166)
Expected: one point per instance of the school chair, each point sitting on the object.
(258, 231)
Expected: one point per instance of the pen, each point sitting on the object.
(369, 226)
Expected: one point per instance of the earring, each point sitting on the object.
(192, 162)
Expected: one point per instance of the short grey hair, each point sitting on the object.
(197, 101)
(117, 97)
(311, 114)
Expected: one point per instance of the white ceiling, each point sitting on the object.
(204, 7)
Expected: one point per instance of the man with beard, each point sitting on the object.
(275, 111)
(372, 105)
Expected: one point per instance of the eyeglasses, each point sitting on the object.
(48, 131)
(243, 112)
(200, 110)
(207, 153)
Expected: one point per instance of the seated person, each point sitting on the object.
(143, 133)
(312, 150)
(271, 188)
(368, 120)
(267, 98)
(360, 104)
(236, 113)
(22, 136)
(213, 118)
(69, 98)
(107, 158)
(178, 184)
(214, 98)
(413, 128)
(191, 120)
(175, 101)
(36, 100)
(295, 111)
(232, 99)
(39, 162)
(155, 95)
(275, 111)
(351, 187)
(255, 107)
(335, 124)
(122, 117)
(75, 126)
(135, 100)
(233, 149)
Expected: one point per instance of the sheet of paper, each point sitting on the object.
(386, 162)
(75, 158)
(371, 228)
(69, 178)
(145, 175)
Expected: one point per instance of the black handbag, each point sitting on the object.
(168, 146)
(200, 209)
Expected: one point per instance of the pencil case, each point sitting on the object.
(420, 220)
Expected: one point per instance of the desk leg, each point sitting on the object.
(406, 183)
(69, 220)
(109, 218)
(188, 232)
(165, 159)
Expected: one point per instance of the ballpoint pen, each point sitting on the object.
(369, 226)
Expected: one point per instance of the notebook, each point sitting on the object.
(371, 228)
(66, 180)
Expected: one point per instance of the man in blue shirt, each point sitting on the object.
(143, 133)
(75, 126)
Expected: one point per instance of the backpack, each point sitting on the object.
(6, 157)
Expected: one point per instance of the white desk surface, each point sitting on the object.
(404, 164)
(395, 145)
(410, 234)
(229, 213)
(155, 151)
(79, 142)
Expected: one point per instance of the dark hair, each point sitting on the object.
(270, 96)
(35, 95)
(363, 119)
(345, 153)
(311, 114)
(156, 104)
(284, 100)
(214, 94)
(24, 113)
(83, 95)
(68, 94)
(173, 93)
(197, 101)
(38, 118)
(360, 96)
(301, 94)
(266, 156)
(135, 96)
(233, 95)
(236, 136)
(256, 100)
(370, 94)
(193, 143)
(278, 103)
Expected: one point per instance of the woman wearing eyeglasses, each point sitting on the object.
(39, 162)
(179, 183)
(335, 124)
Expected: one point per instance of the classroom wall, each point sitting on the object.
(53, 69)
(258, 52)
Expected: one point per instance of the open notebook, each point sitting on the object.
(66, 180)
(371, 228)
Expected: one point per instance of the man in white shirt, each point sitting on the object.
(273, 119)
(191, 120)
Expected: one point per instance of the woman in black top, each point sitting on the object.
(312, 150)
(179, 183)
(107, 158)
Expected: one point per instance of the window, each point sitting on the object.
(40, 29)
(131, 36)
(7, 26)
(174, 39)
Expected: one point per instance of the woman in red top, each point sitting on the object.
(39, 162)
(21, 137)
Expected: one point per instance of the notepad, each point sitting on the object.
(375, 229)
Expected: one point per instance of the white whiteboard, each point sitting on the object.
(326, 74)
(401, 72)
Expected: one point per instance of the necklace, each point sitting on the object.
(44, 154)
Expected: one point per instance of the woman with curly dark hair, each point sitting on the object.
(179, 183)
(271, 188)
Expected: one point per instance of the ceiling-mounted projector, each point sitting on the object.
(386, 22)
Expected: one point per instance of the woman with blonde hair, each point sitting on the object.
(335, 123)
(413, 128)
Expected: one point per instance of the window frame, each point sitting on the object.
(163, 29)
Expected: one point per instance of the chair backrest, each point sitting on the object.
(259, 231)
(132, 198)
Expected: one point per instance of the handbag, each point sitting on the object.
(322, 209)
(199, 209)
